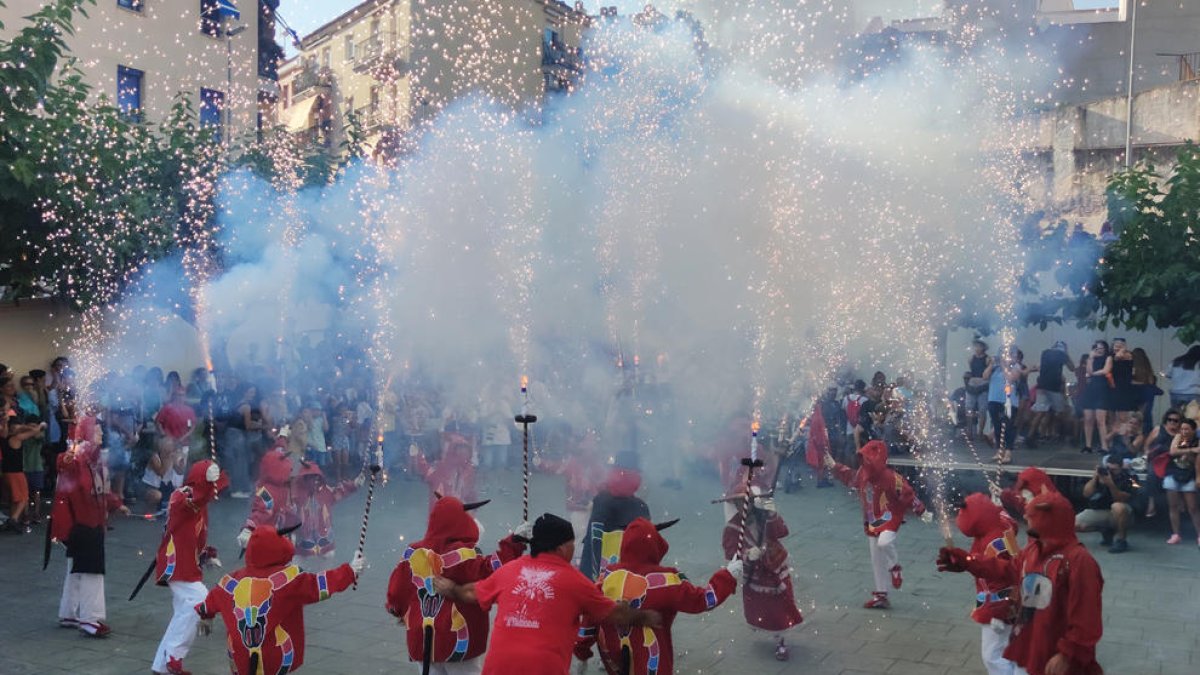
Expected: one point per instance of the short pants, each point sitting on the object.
(1050, 400)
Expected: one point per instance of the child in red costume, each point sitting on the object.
(180, 560)
(640, 579)
(313, 499)
(262, 604)
(451, 476)
(768, 599)
(994, 535)
(82, 503)
(272, 504)
(1059, 613)
(1030, 483)
(457, 632)
(886, 497)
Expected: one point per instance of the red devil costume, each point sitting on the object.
(640, 579)
(1059, 601)
(456, 632)
(451, 476)
(82, 503)
(886, 497)
(768, 599)
(180, 560)
(271, 503)
(262, 605)
(1030, 483)
(614, 507)
(994, 535)
(314, 500)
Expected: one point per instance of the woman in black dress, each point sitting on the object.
(1124, 395)
(1096, 396)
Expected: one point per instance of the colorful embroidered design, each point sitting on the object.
(625, 586)
(169, 555)
(424, 564)
(462, 635)
(287, 649)
(265, 495)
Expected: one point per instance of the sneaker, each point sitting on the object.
(1106, 538)
(877, 601)
(781, 651)
(98, 629)
(1119, 546)
(175, 667)
(897, 580)
(240, 495)
(1175, 539)
(68, 623)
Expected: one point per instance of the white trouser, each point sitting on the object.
(82, 597)
(730, 510)
(181, 632)
(579, 522)
(883, 559)
(470, 667)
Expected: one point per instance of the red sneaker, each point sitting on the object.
(897, 580)
(175, 667)
(878, 601)
(94, 629)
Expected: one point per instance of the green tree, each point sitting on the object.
(1149, 273)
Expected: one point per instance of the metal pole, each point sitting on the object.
(1129, 85)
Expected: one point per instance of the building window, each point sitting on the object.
(129, 91)
(350, 47)
(212, 106)
(210, 18)
(326, 57)
(131, 5)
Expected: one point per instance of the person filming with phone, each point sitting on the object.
(1108, 493)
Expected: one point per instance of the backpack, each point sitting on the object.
(853, 406)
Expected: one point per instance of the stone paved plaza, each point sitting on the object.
(1151, 594)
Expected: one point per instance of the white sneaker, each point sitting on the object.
(240, 495)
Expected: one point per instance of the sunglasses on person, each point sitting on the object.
(1174, 420)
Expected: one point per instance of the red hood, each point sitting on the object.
(1051, 521)
(456, 447)
(84, 429)
(275, 467)
(267, 552)
(449, 525)
(874, 458)
(642, 544)
(308, 480)
(1035, 480)
(623, 482)
(197, 480)
(980, 517)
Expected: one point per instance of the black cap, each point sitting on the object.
(550, 532)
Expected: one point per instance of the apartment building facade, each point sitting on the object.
(143, 54)
(395, 64)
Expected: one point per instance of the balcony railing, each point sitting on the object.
(310, 81)
(370, 51)
(559, 57)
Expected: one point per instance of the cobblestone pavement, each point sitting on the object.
(1151, 597)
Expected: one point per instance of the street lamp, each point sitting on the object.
(1129, 85)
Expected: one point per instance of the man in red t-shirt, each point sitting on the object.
(540, 599)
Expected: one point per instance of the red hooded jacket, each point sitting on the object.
(81, 496)
(460, 631)
(1059, 605)
(640, 579)
(186, 537)
(271, 503)
(314, 499)
(994, 535)
(885, 495)
(1033, 481)
(262, 604)
(453, 475)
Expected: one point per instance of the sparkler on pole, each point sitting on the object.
(751, 463)
(362, 533)
(525, 418)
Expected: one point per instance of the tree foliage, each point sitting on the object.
(1150, 272)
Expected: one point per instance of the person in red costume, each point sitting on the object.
(1059, 612)
(272, 502)
(1030, 483)
(540, 599)
(729, 450)
(583, 471)
(314, 500)
(640, 579)
(176, 419)
(79, 518)
(451, 476)
(180, 560)
(262, 604)
(455, 634)
(993, 535)
(886, 496)
(768, 598)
